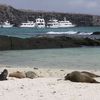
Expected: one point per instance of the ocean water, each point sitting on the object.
(71, 58)
(30, 32)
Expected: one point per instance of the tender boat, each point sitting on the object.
(40, 23)
(6, 24)
(28, 24)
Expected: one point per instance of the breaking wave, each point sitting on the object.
(71, 32)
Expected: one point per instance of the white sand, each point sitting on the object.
(48, 87)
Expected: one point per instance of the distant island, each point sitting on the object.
(17, 16)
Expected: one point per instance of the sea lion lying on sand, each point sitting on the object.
(17, 74)
(31, 74)
(77, 76)
(3, 75)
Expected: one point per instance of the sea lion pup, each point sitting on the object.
(31, 74)
(17, 74)
(76, 76)
(90, 74)
(3, 75)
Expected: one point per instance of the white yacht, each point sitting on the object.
(40, 23)
(65, 23)
(53, 23)
(28, 24)
(59, 24)
(6, 24)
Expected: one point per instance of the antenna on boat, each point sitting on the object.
(64, 18)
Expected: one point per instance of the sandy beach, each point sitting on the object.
(50, 85)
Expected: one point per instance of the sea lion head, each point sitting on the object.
(67, 77)
(5, 72)
(3, 75)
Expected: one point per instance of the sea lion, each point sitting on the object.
(3, 75)
(17, 74)
(90, 74)
(31, 74)
(77, 76)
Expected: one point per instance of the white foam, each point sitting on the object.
(68, 32)
(85, 33)
(71, 32)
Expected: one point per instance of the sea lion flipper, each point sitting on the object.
(90, 74)
(94, 81)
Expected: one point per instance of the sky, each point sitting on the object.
(70, 6)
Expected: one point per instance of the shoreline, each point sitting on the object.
(46, 72)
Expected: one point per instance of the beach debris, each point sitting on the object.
(59, 79)
(3, 75)
(54, 92)
(77, 76)
(17, 74)
(31, 74)
(61, 70)
(35, 68)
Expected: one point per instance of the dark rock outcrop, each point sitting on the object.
(96, 33)
(5, 43)
(14, 43)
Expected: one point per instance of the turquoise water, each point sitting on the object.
(81, 58)
(72, 58)
(29, 32)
